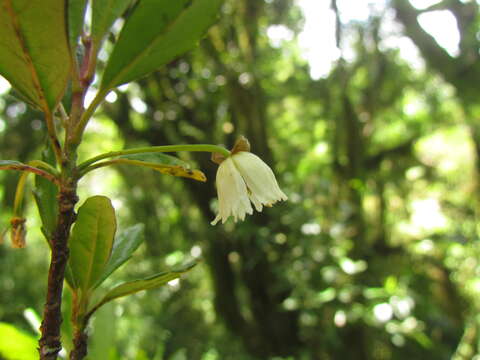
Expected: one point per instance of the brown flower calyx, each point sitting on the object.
(18, 232)
(242, 144)
(217, 158)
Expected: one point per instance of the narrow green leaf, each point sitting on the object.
(35, 53)
(157, 157)
(135, 286)
(165, 164)
(76, 16)
(126, 242)
(156, 33)
(91, 241)
(17, 344)
(10, 162)
(104, 14)
(45, 194)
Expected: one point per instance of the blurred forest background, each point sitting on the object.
(369, 113)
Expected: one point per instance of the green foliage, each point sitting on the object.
(126, 242)
(91, 242)
(154, 34)
(10, 163)
(104, 14)
(104, 334)
(45, 194)
(35, 53)
(135, 286)
(16, 344)
(76, 17)
(375, 256)
(164, 164)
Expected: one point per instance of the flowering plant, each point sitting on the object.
(243, 178)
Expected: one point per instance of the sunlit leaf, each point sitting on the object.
(126, 242)
(10, 162)
(16, 344)
(76, 14)
(102, 338)
(91, 241)
(156, 33)
(35, 57)
(104, 14)
(165, 164)
(135, 286)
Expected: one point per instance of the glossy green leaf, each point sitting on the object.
(35, 56)
(45, 194)
(165, 164)
(135, 286)
(91, 241)
(17, 344)
(126, 242)
(156, 33)
(104, 14)
(76, 15)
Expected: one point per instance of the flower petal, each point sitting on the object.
(259, 178)
(232, 193)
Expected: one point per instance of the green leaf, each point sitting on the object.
(101, 340)
(91, 242)
(126, 242)
(67, 326)
(16, 344)
(157, 32)
(104, 14)
(132, 287)
(45, 194)
(10, 162)
(76, 16)
(157, 157)
(165, 164)
(35, 54)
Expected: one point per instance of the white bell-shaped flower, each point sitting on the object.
(241, 178)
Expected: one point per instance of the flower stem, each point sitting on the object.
(154, 149)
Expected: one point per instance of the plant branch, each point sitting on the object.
(37, 171)
(433, 53)
(155, 149)
(50, 343)
(23, 178)
(77, 134)
(52, 133)
(63, 115)
(80, 338)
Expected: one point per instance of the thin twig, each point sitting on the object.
(39, 172)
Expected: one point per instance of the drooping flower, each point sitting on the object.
(243, 178)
